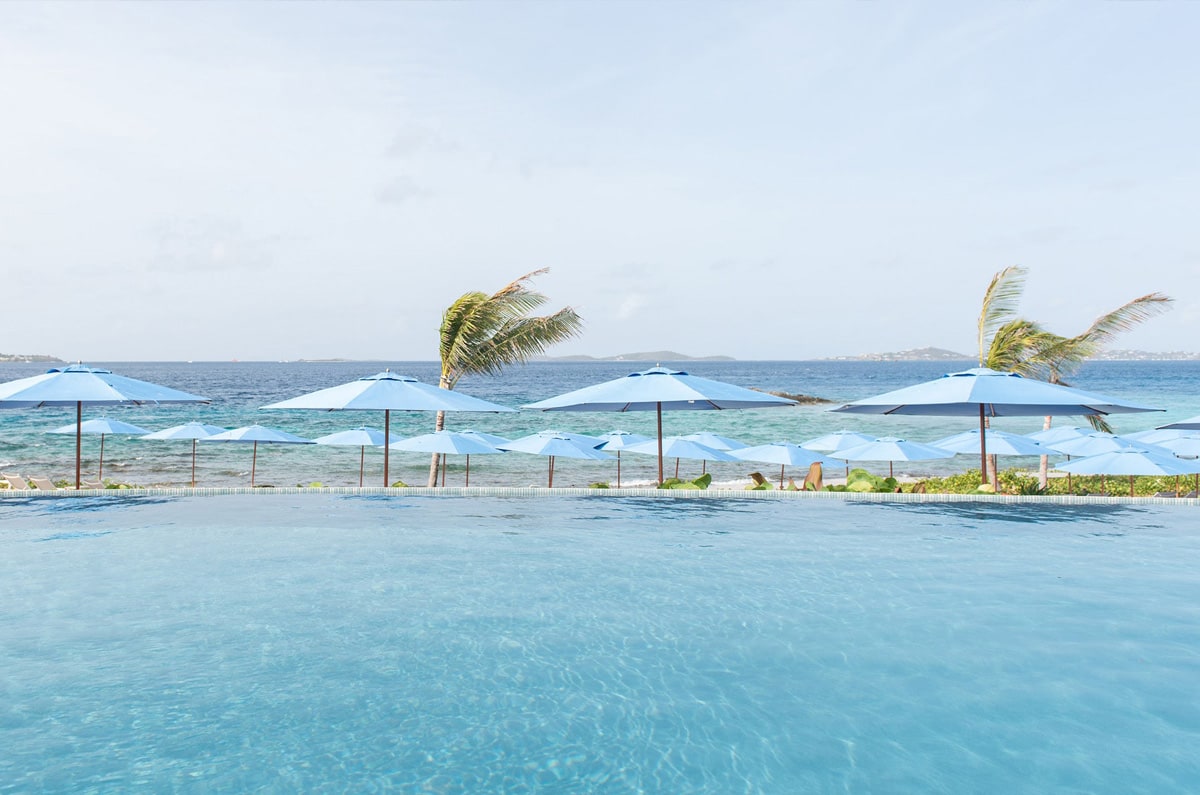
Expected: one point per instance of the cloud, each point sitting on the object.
(631, 305)
(204, 244)
(401, 190)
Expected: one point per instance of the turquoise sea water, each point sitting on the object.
(238, 389)
(463, 645)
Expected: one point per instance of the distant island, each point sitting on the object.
(943, 355)
(645, 356)
(28, 357)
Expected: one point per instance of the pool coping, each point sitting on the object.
(653, 493)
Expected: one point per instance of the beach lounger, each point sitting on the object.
(92, 484)
(15, 482)
(813, 480)
(43, 484)
(759, 480)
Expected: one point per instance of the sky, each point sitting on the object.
(762, 180)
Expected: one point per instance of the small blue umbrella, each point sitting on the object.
(678, 447)
(714, 441)
(1093, 444)
(190, 430)
(104, 427)
(556, 444)
(891, 449)
(446, 443)
(490, 438)
(1190, 424)
(783, 453)
(616, 441)
(387, 392)
(361, 437)
(78, 384)
(660, 389)
(998, 443)
(1061, 434)
(838, 440)
(256, 434)
(984, 392)
(1160, 435)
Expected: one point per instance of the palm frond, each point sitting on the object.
(1014, 347)
(1069, 353)
(1000, 302)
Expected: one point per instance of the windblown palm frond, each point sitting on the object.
(999, 305)
(1070, 353)
(1014, 347)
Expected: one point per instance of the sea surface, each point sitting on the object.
(239, 389)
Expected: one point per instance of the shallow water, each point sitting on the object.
(328, 644)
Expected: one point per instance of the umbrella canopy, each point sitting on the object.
(714, 441)
(989, 393)
(1131, 461)
(998, 443)
(555, 444)
(678, 447)
(660, 389)
(190, 430)
(616, 441)
(449, 442)
(104, 427)
(1160, 435)
(838, 440)
(79, 384)
(490, 438)
(891, 449)
(361, 437)
(387, 392)
(1062, 434)
(1095, 443)
(256, 434)
(783, 453)
(1190, 424)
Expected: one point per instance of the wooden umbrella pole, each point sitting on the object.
(658, 410)
(78, 439)
(618, 469)
(101, 475)
(982, 447)
(445, 459)
(387, 435)
(468, 481)
(550, 478)
(193, 463)
(781, 466)
(254, 463)
(362, 461)
(1131, 485)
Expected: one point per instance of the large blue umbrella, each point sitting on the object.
(190, 430)
(989, 393)
(78, 384)
(556, 444)
(1132, 461)
(361, 437)
(105, 427)
(449, 442)
(660, 389)
(387, 392)
(256, 434)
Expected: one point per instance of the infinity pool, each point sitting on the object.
(319, 643)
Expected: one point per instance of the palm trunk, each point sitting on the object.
(1044, 464)
(436, 462)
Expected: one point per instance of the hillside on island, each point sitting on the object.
(644, 356)
(27, 357)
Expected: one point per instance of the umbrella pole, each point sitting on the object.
(550, 478)
(658, 410)
(193, 463)
(982, 447)
(618, 469)
(387, 437)
(468, 483)
(101, 475)
(253, 463)
(1131, 485)
(445, 458)
(891, 469)
(362, 461)
(781, 466)
(677, 469)
(78, 439)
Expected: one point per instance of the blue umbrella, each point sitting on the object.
(104, 427)
(678, 447)
(556, 444)
(256, 434)
(1051, 435)
(78, 384)
(783, 453)
(998, 443)
(1160, 435)
(1190, 424)
(616, 441)
(387, 392)
(1132, 461)
(891, 449)
(1094, 443)
(659, 389)
(361, 437)
(838, 440)
(449, 442)
(989, 393)
(490, 438)
(714, 441)
(190, 430)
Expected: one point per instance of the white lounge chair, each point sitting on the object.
(91, 484)
(43, 484)
(15, 482)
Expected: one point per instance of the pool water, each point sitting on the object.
(320, 643)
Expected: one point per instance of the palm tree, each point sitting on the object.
(1011, 343)
(481, 333)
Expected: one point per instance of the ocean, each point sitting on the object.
(239, 389)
